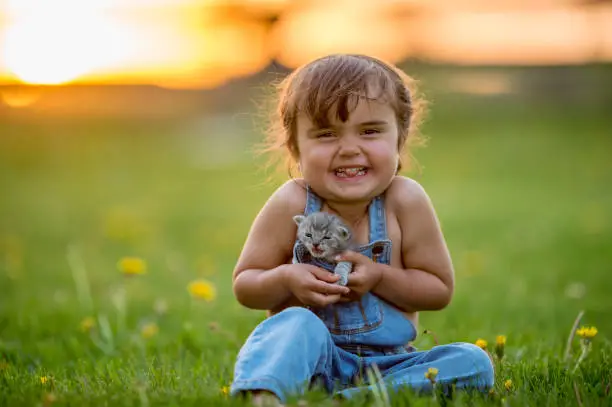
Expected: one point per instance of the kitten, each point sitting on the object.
(325, 236)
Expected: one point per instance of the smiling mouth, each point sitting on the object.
(351, 172)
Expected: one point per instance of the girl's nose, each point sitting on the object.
(349, 147)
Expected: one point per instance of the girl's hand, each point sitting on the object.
(365, 276)
(312, 285)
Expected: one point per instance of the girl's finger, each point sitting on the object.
(328, 289)
(351, 256)
(322, 300)
(324, 275)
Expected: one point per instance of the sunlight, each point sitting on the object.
(56, 42)
(43, 51)
(205, 43)
(109, 41)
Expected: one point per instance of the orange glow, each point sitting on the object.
(601, 25)
(356, 26)
(488, 5)
(480, 83)
(19, 97)
(543, 37)
(204, 43)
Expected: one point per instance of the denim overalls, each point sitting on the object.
(332, 346)
(370, 325)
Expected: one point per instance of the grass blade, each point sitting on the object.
(79, 275)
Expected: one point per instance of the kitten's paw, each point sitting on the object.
(343, 269)
(343, 280)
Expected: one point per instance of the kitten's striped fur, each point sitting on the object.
(325, 236)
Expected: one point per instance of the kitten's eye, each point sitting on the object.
(308, 234)
(326, 237)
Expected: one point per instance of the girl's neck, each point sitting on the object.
(353, 214)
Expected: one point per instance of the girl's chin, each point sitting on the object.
(350, 191)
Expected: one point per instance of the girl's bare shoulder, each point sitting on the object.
(289, 198)
(270, 240)
(406, 194)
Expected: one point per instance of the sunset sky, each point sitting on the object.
(202, 43)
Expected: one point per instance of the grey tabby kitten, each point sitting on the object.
(325, 236)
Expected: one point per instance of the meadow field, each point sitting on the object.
(523, 191)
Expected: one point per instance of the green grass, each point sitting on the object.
(524, 196)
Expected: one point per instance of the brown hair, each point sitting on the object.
(337, 82)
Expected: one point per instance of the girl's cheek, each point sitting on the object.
(383, 148)
(319, 153)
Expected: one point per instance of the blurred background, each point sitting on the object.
(127, 128)
(179, 55)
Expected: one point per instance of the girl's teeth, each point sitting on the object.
(350, 172)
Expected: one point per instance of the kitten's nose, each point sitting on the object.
(315, 245)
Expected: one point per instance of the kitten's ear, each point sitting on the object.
(344, 233)
(298, 219)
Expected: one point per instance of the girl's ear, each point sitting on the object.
(298, 219)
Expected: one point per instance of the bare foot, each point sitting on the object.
(262, 398)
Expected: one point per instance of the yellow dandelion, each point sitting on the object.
(3, 365)
(481, 343)
(508, 384)
(587, 332)
(500, 344)
(431, 374)
(44, 379)
(225, 390)
(149, 330)
(132, 266)
(87, 324)
(202, 289)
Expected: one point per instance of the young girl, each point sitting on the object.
(344, 120)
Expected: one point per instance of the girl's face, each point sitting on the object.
(352, 161)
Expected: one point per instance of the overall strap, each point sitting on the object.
(378, 219)
(376, 212)
(313, 202)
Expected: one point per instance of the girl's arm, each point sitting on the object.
(258, 278)
(427, 280)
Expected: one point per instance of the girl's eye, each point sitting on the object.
(325, 134)
(308, 235)
(370, 132)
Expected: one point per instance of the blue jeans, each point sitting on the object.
(293, 349)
